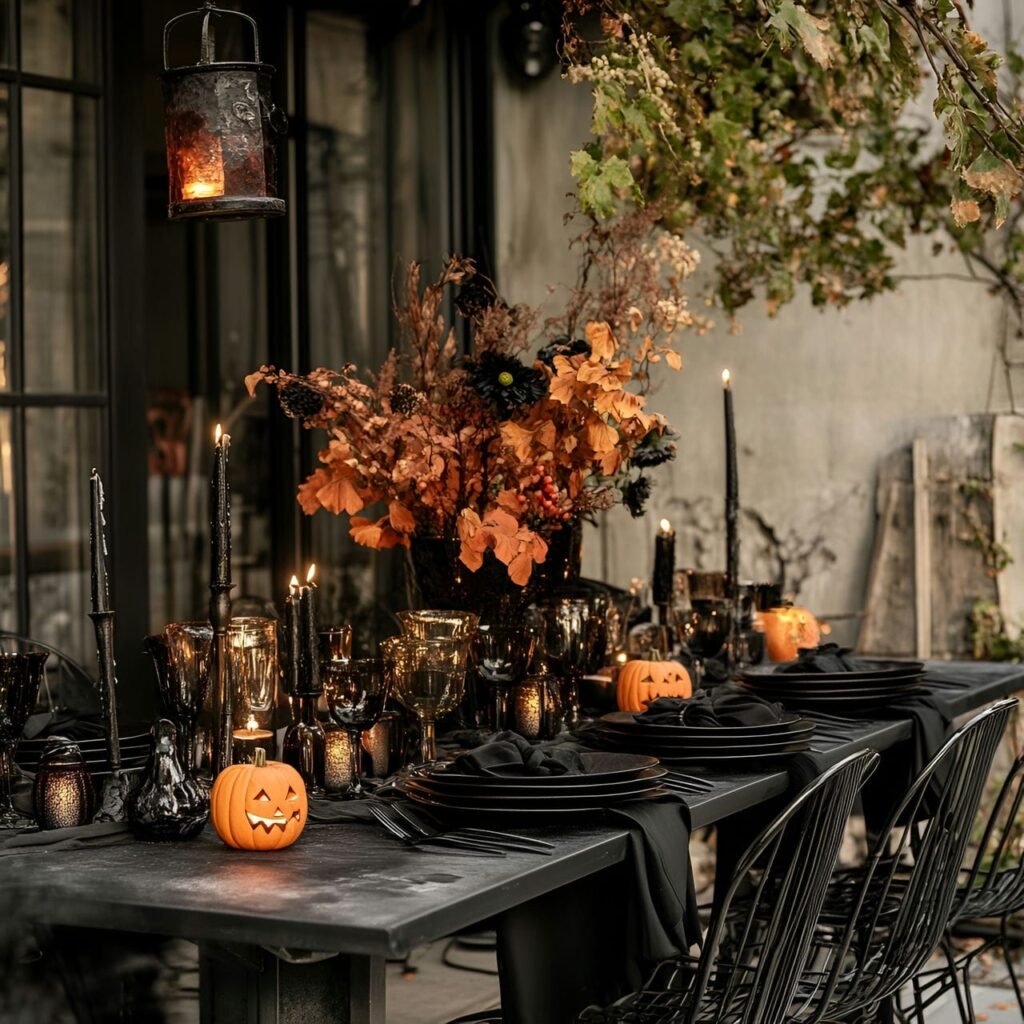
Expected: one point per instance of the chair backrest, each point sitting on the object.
(757, 944)
(901, 910)
(994, 883)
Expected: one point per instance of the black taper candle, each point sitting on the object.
(732, 510)
(220, 601)
(114, 795)
(663, 578)
(309, 662)
(292, 636)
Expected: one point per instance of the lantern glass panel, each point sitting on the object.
(5, 237)
(61, 251)
(60, 449)
(58, 38)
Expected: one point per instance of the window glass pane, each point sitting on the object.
(5, 237)
(61, 351)
(8, 602)
(61, 447)
(58, 38)
(6, 33)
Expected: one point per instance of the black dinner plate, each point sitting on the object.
(847, 693)
(664, 751)
(539, 805)
(454, 790)
(879, 668)
(488, 798)
(797, 700)
(626, 718)
(772, 684)
(685, 734)
(597, 765)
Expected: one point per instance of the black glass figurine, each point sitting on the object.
(169, 804)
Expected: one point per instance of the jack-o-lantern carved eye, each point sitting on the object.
(292, 795)
(262, 796)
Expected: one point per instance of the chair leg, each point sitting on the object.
(966, 1008)
(1005, 943)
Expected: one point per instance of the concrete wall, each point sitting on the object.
(820, 396)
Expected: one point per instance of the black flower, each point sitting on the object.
(475, 297)
(562, 347)
(655, 449)
(635, 495)
(405, 399)
(300, 400)
(505, 382)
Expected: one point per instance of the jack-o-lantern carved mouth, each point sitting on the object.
(278, 821)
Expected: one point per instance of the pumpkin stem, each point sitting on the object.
(259, 757)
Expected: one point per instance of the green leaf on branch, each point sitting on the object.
(601, 183)
(790, 21)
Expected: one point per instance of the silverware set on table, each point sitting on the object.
(415, 830)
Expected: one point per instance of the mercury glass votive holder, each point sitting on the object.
(385, 743)
(337, 759)
(63, 790)
(535, 707)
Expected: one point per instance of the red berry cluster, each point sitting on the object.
(544, 497)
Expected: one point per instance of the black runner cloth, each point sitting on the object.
(509, 754)
(84, 837)
(724, 705)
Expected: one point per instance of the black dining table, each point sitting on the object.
(303, 934)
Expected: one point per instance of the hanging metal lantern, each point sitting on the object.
(63, 790)
(220, 128)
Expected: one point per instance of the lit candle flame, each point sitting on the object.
(726, 378)
(251, 725)
(293, 584)
(311, 572)
(666, 526)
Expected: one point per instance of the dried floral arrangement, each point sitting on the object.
(494, 447)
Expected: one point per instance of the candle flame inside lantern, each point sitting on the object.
(666, 526)
(311, 572)
(202, 171)
(726, 378)
(251, 725)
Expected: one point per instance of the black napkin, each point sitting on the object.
(826, 658)
(662, 910)
(84, 837)
(723, 705)
(510, 754)
(716, 670)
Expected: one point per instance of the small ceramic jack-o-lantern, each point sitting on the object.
(259, 806)
(640, 682)
(788, 629)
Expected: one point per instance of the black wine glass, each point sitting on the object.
(356, 690)
(503, 655)
(703, 627)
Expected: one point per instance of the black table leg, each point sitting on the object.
(564, 950)
(250, 985)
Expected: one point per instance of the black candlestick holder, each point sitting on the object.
(220, 676)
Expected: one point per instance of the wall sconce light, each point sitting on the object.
(220, 126)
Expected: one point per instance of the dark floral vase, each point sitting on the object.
(437, 578)
(169, 804)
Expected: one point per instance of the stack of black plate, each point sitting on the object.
(742, 746)
(607, 779)
(135, 750)
(878, 683)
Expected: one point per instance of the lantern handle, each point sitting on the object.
(206, 41)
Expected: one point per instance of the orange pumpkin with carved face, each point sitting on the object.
(787, 630)
(260, 806)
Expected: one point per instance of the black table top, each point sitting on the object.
(352, 888)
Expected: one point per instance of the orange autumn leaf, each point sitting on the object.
(563, 384)
(338, 494)
(602, 343)
(518, 438)
(365, 531)
(251, 380)
(601, 437)
(508, 499)
(674, 359)
(520, 569)
(308, 490)
(401, 518)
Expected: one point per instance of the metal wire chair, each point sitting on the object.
(885, 920)
(993, 888)
(762, 929)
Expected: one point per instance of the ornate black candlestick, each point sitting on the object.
(117, 787)
(732, 508)
(220, 601)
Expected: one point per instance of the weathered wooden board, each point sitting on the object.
(1008, 514)
(960, 461)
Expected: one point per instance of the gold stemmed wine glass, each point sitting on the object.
(429, 676)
